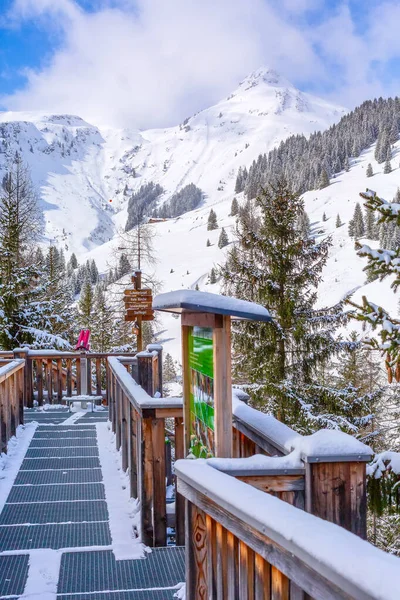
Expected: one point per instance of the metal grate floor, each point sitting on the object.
(58, 476)
(163, 594)
(39, 464)
(56, 493)
(69, 452)
(13, 574)
(74, 535)
(99, 571)
(60, 512)
(51, 434)
(60, 442)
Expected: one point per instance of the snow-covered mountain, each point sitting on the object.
(79, 168)
(85, 175)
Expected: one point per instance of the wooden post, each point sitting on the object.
(159, 349)
(145, 371)
(186, 386)
(137, 284)
(147, 482)
(223, 389)
(336, 492)
(28, 375)
(179, 500)
(159, 500)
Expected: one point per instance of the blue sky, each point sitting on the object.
(152, 62)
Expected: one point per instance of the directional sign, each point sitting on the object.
(142, 292)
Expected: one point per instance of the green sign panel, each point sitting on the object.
(201, 365)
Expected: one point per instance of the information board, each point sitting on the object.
(201, 366)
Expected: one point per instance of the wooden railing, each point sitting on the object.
(11, 399)
(139, 421)
(242, 543)
(51, 376)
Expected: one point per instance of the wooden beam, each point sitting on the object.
(194, 319)
(223, 389)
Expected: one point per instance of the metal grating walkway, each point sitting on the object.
(58, 503)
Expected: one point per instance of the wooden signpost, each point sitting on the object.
(206, 365)
(138, 307)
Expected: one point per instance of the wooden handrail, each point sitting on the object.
(138, 421)
(11, 400)
(241, 542)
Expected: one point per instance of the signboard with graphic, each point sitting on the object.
(201, 367)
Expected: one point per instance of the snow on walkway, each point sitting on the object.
(67, 524)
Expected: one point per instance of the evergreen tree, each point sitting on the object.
(21, 225)
(213, 276)
(208, 244)
(169, 371)
(101, 319)
(323, 180)
(338, 221)
(388, 167)
(86, 306)
(223, 239)
(124, 266)
(347, 164)
(370, 225)
(212, 222)
(324, 217)
(304, 225)
(275, 267)
(356, 225)
(94, 272)
(234, 207)
(396, 198)
(369, 172)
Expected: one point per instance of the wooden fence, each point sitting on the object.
(243, 544)
(11, 399)
(140, 422)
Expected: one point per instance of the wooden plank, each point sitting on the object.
(59, 379)
(232, 567)
(39, 380)
(246, 572)
(133, 471)
(223, 389)
(171, 413)
(50, 380)
(186, 330)
(78, 376)
(89, 375)
(159, 491)
(179, 501)
(69, 377)
(193, 319)
(98, 377)
(147, 483)
(196, 554)
(262, 578)
(279, 585)
(124, 431)
(222, 561)
(211, 557)
(262, 442)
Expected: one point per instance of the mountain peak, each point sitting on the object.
(266, 75)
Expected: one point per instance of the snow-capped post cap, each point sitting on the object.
(329, 445)
(195, 301)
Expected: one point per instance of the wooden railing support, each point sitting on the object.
(23, 353)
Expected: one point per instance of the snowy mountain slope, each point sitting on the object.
(180, 244)
(78, 168)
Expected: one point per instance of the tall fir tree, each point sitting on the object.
(223, 239)
(369, 172)
(274, 266)
(234, 207)
(169, 371)
(323, 180)
(338, 221)
(212, 222)
(102, 320)
(86, 306)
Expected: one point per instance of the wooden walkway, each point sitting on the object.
(55, 538)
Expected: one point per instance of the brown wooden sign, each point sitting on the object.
(138, 304)
(142, 292)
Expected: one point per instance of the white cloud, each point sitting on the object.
(150, 63)
(158, 62)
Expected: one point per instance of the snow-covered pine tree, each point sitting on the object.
(356, 225)
(304, 225)
(169, 371)
(370, 225)
(102, 320)
(208, 243)
(213, 276)
(274, 266)
(388, 167)
(338, 221)
(223, 239)
(94, 272)
(234, 207)
(124, 266)
(21, 225)
(347, 164)
(212, 222)
(324, 217)
(369, 172)
(86, 306)
(323, 180)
